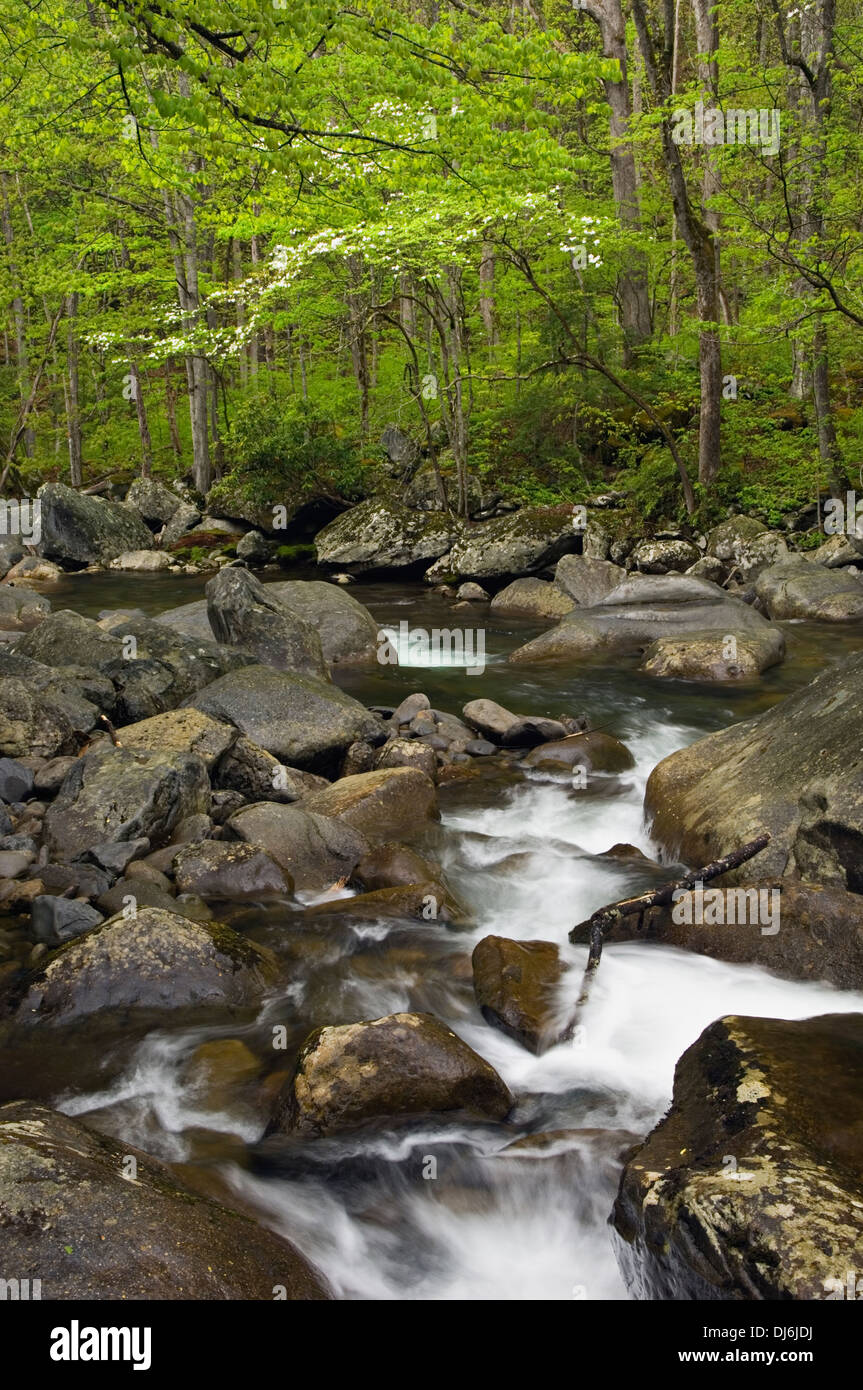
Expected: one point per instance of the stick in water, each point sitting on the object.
(604, 917)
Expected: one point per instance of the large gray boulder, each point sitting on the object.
(794, 771)
(242, 613)
(300, 720)
(640, 610)
(153, 502)
(317, 851)
(745, 546)
(383, 535)
(98, 1221)
(797, 588)
(189, 619)
(347, 630)
(714, 656)
(405, 1064)
(521, 543)
(84, 530)
(661, 556)
(750, 1188)
(152, 961)
(531, 598)
(586, 580)
(117, 794)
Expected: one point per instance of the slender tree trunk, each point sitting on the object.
(22, 364)
(73, 408)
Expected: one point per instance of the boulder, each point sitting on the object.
(118, 794)
(347, 630)
(147, 561)
(16, 781)
(425, 901)
(382, 535)
(586, 580)
(21, 609)
(77, 696)
(490, 718)
(242, 613)
(799, 589)
(299, 719)
(593, 750)
(154, 502)
(471, 593)
(34, 570)
(30, 724)
(515, 983)
(407, 752)
(664, 556)
(182, 731)
(794, 771)
(380, 804)
(819, 936)
(393, 865)
(190, 620)
(710, 656)
(531, 598)
(255, 549)
(230, 870)
(54, 920)
(521, 543)
(749, 1188)
(746, 546)
(315, 850)
(404, 1064)
(95, 1230)
(836, 552)
(637, 612)
(258, 776)
(185, 517)
(154, 961)
(11, 551)
(80, 529)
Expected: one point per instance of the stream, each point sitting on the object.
(454, 1210)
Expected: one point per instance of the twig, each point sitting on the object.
(606, 917)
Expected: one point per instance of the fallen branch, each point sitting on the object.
(606, 917)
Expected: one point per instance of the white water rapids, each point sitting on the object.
(448, 1212)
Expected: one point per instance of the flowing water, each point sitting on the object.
(454, 1210)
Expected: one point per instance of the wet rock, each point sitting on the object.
(315, 850)
(156, 960)
(298, 719)
(393, 865)
(471, 593)
(81, 529)
(347, 630)
(480, 748)
(382, 535)
(403, 752)
(16, 781)
(133, 894)
(745, 546)
(490, 718)
(411, 902)
(124, 794)
(220, 1072)
(117, 856)
(145, 561)
(243, 613)
(663, 556)
(595, 751)
(257, 776)
(531, 598)
(515, 983)
(255, 549)
(194, 827)
(799, 589)
(216, 869)
(639, 611)
(409, 708)
(801, 931)
(400, 1065)
(530, 730)
(54, 920)
(379, 804)
(586, 580)
(793, 771)
(749, 1188)
(182, 731)
(66, 1186)
(21, 609)
(51, 776)
(30, 723)
(712, 656)
(34, 570)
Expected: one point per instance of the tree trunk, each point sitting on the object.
(73, 408)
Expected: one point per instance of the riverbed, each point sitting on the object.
(517, 1210)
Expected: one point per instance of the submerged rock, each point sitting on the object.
(405, 1064)
(751, 1187)
(97, 1220)
(531, 598)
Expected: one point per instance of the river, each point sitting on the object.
(456, 1210)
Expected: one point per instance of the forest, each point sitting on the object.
(563, 245)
